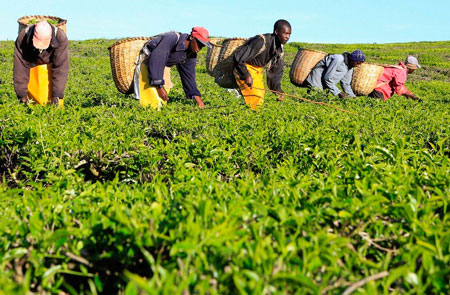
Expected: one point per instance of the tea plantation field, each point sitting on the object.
(105, 197)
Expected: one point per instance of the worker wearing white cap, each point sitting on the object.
(393, 80)
(41, 57)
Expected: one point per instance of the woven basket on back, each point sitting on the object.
(303, 63)
(223, 71)
(213, 54)
(365, 78)
(123, 55)
(24, 21)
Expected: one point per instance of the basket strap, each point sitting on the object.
(264, 44)
(394, 66)
(276, 58)
(381, 84)
(27, 29)
(384, 83)
(178, 36)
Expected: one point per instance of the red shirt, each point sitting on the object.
(393, 80)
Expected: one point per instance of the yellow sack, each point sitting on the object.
(252, 97)
(148, 96)
(40, 85)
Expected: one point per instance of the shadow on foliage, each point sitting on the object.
(111, 249)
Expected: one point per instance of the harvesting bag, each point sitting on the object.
(143, 91)
(40, 85)
(223, 70)
(304, 62)
(27, 20)
(365, 77)
(146, 94)
(253, 97)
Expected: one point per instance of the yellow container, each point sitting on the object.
(40, 85)
(148, 94)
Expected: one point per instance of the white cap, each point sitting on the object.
(412, 60)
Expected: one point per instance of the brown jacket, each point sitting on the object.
(26, 57)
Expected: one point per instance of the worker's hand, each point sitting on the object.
(55, 101)
(24, 99)
(341, 95)
(280, 97)
(249, 81)
(412, 96)
(415, 97)
(162, 93)
(199, 101)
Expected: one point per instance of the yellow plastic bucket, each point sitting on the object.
(148, 94)
(40, 85)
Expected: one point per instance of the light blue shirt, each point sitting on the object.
(328, 72)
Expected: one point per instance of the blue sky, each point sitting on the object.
(363, 21)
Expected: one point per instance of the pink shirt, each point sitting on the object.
(393, 80)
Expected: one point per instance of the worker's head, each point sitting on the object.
(411, 64)
(357, 57)
(282, 31)
(42, 35)
(198, 39)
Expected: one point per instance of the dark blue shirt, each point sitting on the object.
(168, 50)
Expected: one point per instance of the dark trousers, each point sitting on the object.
(376, 94)
(305, 84)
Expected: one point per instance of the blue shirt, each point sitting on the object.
(329, 71)
(169, 50)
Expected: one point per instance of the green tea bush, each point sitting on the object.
(105, 197)
(50, 21)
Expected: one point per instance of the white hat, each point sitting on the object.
(412, 61)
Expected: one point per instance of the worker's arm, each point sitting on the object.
(160, 49)
(398, 84)
(60, 65)
(329, 77)
(21, 72)
(188, 79)
(246, 53)
(346, 83)
(275, 74)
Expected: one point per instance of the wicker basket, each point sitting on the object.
(365, 78)
(123, 55)
(25, 20)
(223, 71)
(303, 63)
(213, 54)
